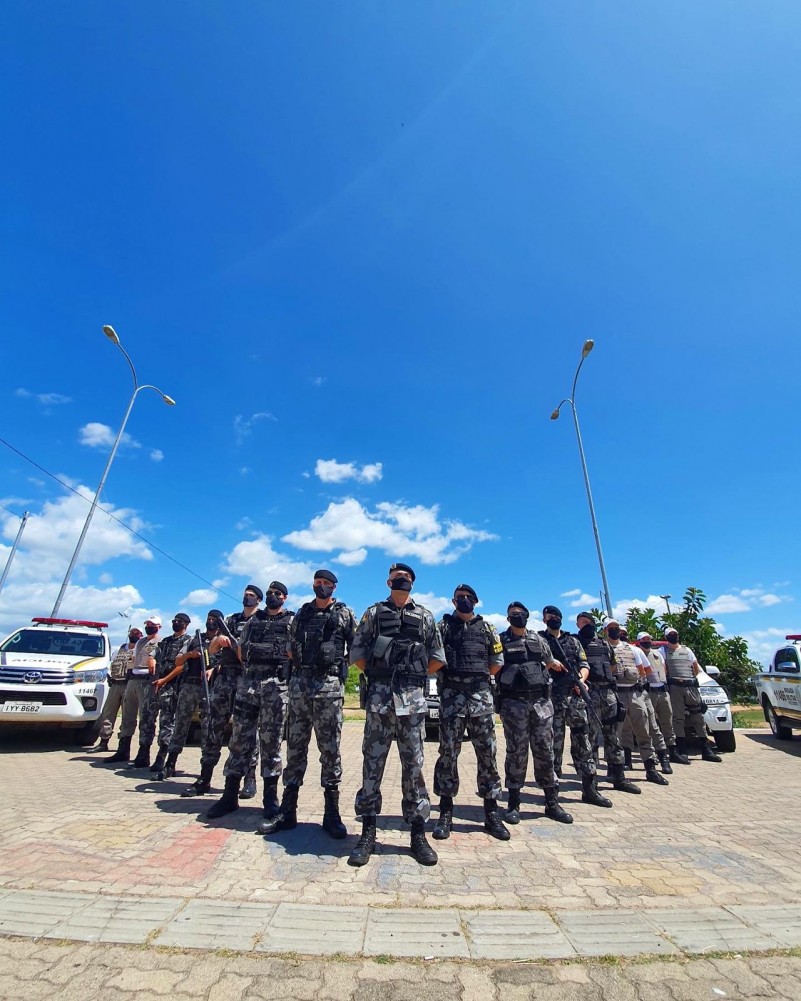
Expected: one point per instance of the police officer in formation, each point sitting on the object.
(526, 711)
(660, 696)
(473, 653)
(688, 707)
(397, 644)
(118, 678)
(654, 731)
(570, 671)
(140, 699)
(261, 696)
(321, 636)
(167, 693)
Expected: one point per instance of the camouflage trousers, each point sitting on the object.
(190, 700)
(167, 706)
(637, 717)
(627, 731)
(605, 733)
(571, 711)
(111, 708)
(314, 702)
(382, 725)
(463, 714)
(140, 702)
(688, 712)
(528, 723)
(259, 712)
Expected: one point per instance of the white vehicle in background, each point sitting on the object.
(717, 717)
(779, 689)
(56, 672)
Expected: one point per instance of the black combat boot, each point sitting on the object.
(677, 752)
(493, 824)
(202, 783)
(628, 764)
(553, 809)
(287, 817)
(332, 822)
(664, 761)
(589, 783)
(122, 754)
(365, 846)
(442, 828)
(269, 800)
(142, 759)
(422, 852)
(512, 815)
(621, 783)
(249, 785)
(652, 775)
(169, 765)
(229, 801)
(707, 754)
(161, 757)
(102, 745)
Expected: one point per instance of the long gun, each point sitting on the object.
(205, 666)
(575, 677)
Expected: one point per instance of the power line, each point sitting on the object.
(19, 516)
(147, 542)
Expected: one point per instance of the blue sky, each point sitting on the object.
(361, 245)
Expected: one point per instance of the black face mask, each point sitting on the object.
(613, 633)
(273, 601)
(249, 601)
(323, 590)
(518, 620)
(177, 625)
(673, 641)
(587, 632)
(151, 630)
(645, 646)
(134, 637)
(400, 584)
(465, 604)
(553, 623)
(212, 627)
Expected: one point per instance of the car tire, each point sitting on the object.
(725, 741)
(779, 731)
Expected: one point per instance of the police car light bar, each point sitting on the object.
(795, 636)
(70, 622)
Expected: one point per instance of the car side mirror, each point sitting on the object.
(712, 671)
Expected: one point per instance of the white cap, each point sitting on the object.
(611, 622)
(642, 636)
(671, 629)
(155, 619)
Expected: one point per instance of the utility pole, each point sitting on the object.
(13, 552)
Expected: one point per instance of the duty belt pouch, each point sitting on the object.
(621, 711)
(382, 646)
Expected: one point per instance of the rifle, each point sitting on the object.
(575, 677)
(235, 644)
(205, 665)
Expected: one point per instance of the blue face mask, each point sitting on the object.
(465, 604)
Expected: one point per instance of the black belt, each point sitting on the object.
(602, 684)
(636, 687)
(535, 692)
(683, 682)
(319, 672)
(466, 684)
(386, 677)
(266, 673)
(118, 681)
(191, 681)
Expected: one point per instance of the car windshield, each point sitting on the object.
(54, 643)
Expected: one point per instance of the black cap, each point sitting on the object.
(182, 617)
(276, 585)
(466, 587)
(402, 566)
(516, 604)
(585, 615)
(326, 575)
(256, 590)
(214, 613)
(551, 610)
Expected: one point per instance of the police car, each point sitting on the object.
(779, 689)
(718, 716)
(55, 671)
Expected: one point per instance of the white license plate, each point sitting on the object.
(22, 707)
(433, 713)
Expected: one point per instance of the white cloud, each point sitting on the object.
(726, 603)
(318, 380)
(105, 578)
(46, 399)
(97, 435)
(769, 599)
(24, 599)
(571, 594)
(257, 559)
(435, 603)
(585, 601)
(245, 470)
(156, 455)
(763, 643)
(394, 528)
(200, 596)
(244, 426)
(352, 558)
(331, 471)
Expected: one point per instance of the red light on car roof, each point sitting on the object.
(70, 622)
(795, 636)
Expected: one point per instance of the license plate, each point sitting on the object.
(22, 707)
(433, 713)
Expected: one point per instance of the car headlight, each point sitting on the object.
(89, 677)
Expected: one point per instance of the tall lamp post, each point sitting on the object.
(588, 346)
(111, 333)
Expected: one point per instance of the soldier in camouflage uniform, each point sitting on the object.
(261, 697)
(321, 635)
(570, 709)
(526, 712)
(140, 699)
(473, 653)
(166, 701)
(397, 644)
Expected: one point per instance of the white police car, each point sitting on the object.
(718, 716)
(56, 672)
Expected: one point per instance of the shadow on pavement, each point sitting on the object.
(791, 747)
(24, 739)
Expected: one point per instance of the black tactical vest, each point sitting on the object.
(523, 668)
(400, 644)
(564, 646)
(194, 665)
(465, 648)
(600, 661)
(319, 641)
(267, 642)
(168, 650)
(236, 623)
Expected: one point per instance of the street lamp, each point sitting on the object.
(588, 346)
(666, 598)
(111, 333)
